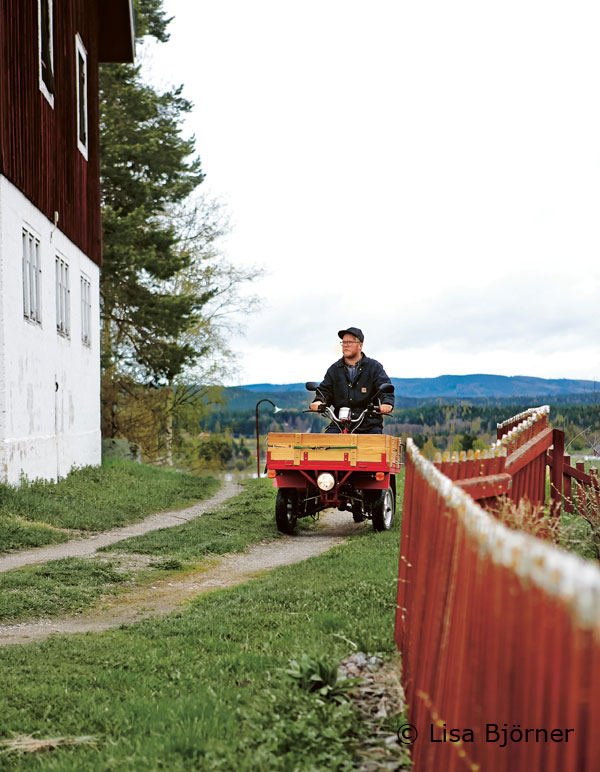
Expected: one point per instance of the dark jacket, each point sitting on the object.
(337, 390)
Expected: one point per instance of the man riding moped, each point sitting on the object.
(355, 382)
(347, 472)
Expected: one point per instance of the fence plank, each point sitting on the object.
(527, 452)
(491, 485)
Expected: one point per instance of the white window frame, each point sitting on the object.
(63, 297)
(32, 276)
(43, 87)
(86, 310)
(82, 96)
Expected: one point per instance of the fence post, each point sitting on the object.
(568, 489)
(556, 471)
(596, 488)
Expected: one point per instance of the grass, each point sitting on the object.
(579, 533)
(573, 532)
(73, 585)
(17, 533)
(93, 499)
(56, 588)
(246, 519)
(207, 688)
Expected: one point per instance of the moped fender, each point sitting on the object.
(290, 479)
(368, 481)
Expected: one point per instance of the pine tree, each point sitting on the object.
(146, 167)
(167, 292)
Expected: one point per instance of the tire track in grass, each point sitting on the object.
(87, 545)
(167, 595)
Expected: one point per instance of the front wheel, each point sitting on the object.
(383, 510)
(286, 510)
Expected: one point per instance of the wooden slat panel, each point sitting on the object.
(367, 448)
(528, 451)
(486, 487)
(38, 143)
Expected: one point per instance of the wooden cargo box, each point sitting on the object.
(342, 451)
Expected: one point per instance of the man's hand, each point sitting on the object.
(315, 406)
(385, 409)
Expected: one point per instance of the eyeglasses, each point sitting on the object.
(349, 342)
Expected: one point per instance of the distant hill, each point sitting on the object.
(495, 386)
(414, 391)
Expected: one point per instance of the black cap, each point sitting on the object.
(352, 331)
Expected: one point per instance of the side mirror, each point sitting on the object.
(387, 388)
(312, 386)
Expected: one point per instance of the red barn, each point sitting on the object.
(50, 229)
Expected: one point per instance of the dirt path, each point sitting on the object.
(165, 596)
(87, 545)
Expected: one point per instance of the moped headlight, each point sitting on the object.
(325, 481)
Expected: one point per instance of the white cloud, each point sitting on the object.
(427, 171)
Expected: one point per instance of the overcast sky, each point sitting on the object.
(427, 171)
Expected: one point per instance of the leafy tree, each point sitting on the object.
(429, 449)
(457, 443)
(201, 224)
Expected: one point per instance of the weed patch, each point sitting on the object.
(321, 678)
(579, 532)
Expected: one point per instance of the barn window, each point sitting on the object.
(63, 297)
(32, 277)
(86, 311)
(81, 90)
(46, 49)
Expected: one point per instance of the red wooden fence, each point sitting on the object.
(515, 467)
(499, 631)
(578, 491)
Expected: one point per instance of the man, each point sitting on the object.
(353, 381)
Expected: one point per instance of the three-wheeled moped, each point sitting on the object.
(348, 471)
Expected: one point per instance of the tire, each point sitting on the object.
(357, 512)
(383, 510)
(286, 510)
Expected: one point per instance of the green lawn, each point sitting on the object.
(206, 689)
(50, 589)
(93, 499)
(248, 518)
(73, 585)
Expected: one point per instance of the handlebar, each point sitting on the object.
(354, 423)
(339, 422)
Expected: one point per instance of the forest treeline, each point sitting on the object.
(441, 426)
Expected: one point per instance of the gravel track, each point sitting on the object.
(87, 545)
(165, 596)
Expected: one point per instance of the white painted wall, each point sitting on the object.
(49, 384)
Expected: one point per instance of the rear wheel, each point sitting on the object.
(357, 512)
(286, 510)
(383, 510)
